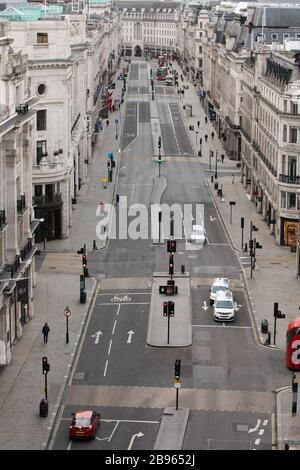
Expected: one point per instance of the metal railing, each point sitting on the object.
(49, 200)
(290, 179)
(21, 204)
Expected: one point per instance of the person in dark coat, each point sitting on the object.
(222, 157)
(45, 332)
(212, 135)
(205, 119)
(198, 124)
(205, 137)
(107, 122)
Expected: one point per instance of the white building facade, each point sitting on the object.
(17, 221)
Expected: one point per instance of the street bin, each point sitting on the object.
(216, 185)
(82, 296)
(264, 326)
(44, 408)
(182, 269)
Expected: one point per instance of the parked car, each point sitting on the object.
(224, 306)
(219, 284)
(84, 425)
(198, 234)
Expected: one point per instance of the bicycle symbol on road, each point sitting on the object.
(124, 298)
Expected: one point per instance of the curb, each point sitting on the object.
(50, 429)
(169, 426)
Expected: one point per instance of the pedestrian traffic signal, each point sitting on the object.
(159, 142)
(277, 313)
(171, 308)
(165, 309)
(242, 222)
(177, 368)
(171, 246)
(46, 365)
(171, 265)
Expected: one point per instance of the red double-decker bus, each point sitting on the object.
(161, 73)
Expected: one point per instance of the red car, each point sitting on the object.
(84, 424)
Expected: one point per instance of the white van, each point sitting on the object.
(220, 283)
(224, 306)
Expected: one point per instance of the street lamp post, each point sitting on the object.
(216, 167)
(211, 154)
(67, 313)
(197, 132)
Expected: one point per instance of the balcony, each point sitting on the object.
(21, 205)
(47, 201)
(3, 223)
(26, 250)
(290, 179)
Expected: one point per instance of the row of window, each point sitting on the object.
(291, 136)
(289, 201)
(285, 35)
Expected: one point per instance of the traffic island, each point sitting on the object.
(172, 429)
(159, 187)
(170, 318)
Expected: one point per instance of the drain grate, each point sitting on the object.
(79, 375)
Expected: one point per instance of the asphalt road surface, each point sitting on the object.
(226, 377)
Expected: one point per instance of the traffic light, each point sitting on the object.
(242, 222)
(84, 265)
(171, 308)
(177, 368)
(251, 247)
(277, 313)
(165, 309)
(171, 246)
(258, 245)
(46, 365)
(80, 252)
(171, 265)
(159, 142)
(254, 228)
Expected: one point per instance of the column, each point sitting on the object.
(11, 179)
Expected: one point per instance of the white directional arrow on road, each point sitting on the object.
(204, 306)
(212, 219)
(130, 333)
(256, 427)
(140, 434)
(97, 336)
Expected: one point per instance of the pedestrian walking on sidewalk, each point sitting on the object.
(107, 122)
(212, 135)
(45, 332)
(117, 199)
(198, 124)
(222, 157)
(205, 119)
(206, 137)
(232, 179)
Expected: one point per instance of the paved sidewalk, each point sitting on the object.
(288, 426)
(58, 269)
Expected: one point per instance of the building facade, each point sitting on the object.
(17, 219)
(148, 27)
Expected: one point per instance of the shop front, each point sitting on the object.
(289, 231)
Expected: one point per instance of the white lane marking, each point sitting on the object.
(113, 431)
(97, 336)
(132, 191)
(125, 303)
(256, 427)
(107, 420)
(219, 244)
(127, 293)
(261, 431)
(257, 441)
(118, 311)
(70, 443)
(174, 130)
(105, 369)
(109, 347)
(221, 326)
(113, 330)
(205, 307)
(265, 422)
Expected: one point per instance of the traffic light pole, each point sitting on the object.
(67, 329)
(177, 396)
(274, 337)
(46, 386)
(168, 334)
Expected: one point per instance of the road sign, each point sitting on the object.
(104, 180)
(67, 312)
(110, 155)
(177, 384)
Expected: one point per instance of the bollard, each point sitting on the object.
(212, 178)
(216, 185)
(268, 340)
(43, 408)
